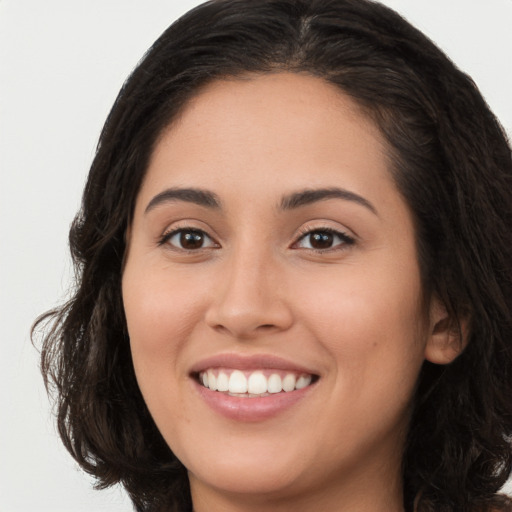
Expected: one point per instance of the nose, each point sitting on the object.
(251, 298)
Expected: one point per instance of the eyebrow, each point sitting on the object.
(305, 197)
(309, 196)
(190, 195)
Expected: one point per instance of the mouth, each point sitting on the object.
(256, 383)
(252, 388)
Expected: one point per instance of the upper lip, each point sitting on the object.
(249, 362)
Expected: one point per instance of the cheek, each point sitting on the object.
(161, 312)
(371, 323)
(161, 306)
(162, 309)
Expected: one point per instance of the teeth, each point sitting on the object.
(289, 382)
(303, 381)
(257, 383)
(253, 384)
(237, 382)
(212, 381)
(222, 382)
(275, 384)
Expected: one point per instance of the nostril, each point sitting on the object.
(245, 319)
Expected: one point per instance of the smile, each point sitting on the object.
(252, 388)
(253, 384)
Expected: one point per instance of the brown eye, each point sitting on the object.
(324, 239)
(321, 240)
(189, 239)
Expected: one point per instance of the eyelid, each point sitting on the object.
(308, 229)
(171, 232)
(345, 236)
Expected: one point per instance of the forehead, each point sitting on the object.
(290, 127)
(249, 104)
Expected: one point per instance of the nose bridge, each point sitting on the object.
(250, 297)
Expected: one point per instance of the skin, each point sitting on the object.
(353, 313)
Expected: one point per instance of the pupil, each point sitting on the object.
(321, 240)
(191, 240)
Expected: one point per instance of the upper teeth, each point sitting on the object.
(253, 383)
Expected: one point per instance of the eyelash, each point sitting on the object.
(166, 237)
(345, 239)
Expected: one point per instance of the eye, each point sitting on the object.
(188, 239)
(323, 240)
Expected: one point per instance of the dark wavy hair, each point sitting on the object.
(451, 162)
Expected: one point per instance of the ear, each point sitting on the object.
(446, 338)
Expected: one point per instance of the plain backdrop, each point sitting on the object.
(62, 63)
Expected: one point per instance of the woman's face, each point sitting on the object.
(270, 248)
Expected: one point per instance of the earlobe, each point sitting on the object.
(447, 337)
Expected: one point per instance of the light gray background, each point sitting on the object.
(61, 65)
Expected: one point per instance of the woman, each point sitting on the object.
(295, 272)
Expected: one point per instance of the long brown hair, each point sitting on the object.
(451, 162)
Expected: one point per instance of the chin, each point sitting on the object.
(248, 479)
(262, 469)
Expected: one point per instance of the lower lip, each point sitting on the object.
(251, 409)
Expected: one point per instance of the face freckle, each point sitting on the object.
(259, 294)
